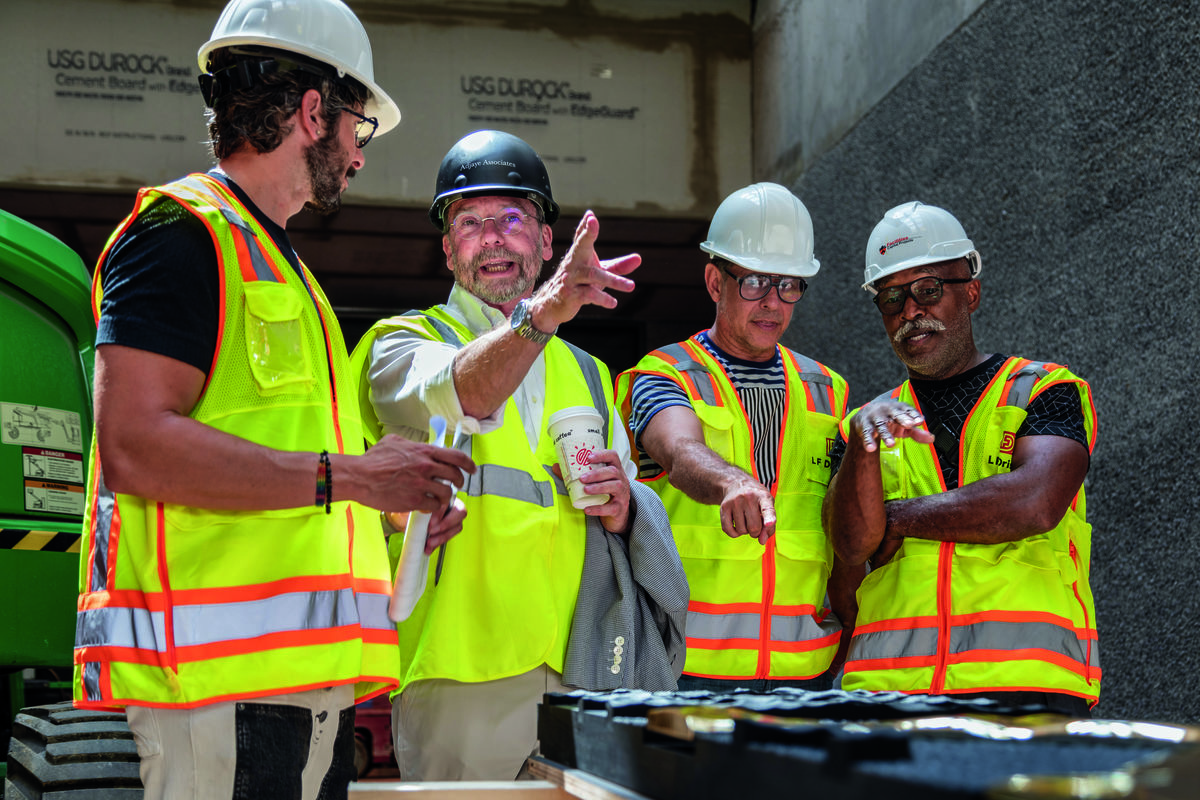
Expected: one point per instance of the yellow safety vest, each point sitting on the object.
(510, 579)
(180, 607)
(755, 612)
(945, 618)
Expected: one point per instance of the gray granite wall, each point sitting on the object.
(1064, 135)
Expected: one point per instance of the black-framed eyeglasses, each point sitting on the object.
(364, 129)
(756, 286)
(509, 222)
(926, 291)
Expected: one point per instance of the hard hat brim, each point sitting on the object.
(379, 105)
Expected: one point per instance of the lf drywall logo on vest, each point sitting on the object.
(823, 462)
(1007, 442)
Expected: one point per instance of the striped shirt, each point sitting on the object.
(760, 385)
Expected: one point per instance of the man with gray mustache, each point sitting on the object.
(962, 489)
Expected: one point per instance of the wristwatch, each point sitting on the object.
(522, 324)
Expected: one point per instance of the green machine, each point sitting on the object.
(47, 337)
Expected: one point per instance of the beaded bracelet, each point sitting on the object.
(328, 480)
(324, 482)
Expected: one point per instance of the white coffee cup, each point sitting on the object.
(577, 432)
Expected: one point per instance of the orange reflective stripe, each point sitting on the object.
(897, 624)
(1024, 654)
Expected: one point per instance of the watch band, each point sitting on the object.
(522, 324)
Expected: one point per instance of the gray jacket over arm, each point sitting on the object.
(628, 628)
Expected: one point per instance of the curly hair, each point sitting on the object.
(259, 114)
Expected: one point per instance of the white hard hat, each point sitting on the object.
(914, 234)
(764, 228)
(323, 30)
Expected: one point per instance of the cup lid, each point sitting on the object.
(574, 411)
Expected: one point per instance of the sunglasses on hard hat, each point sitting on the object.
(926, 291)
(756, 286)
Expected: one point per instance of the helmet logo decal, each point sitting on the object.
(470, 165)
(883, 248)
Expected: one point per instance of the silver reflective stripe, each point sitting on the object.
(515, 484)
(721, 626)
(105, 503)
(1021, 635)
(120, 627)
(699, 373)
(784, 627)
(559, 486)
(1023, 381)
(91, 680)
(800, 628)
(294, 611)
(443, 330)
(220, 622)
(893, 644)
(591, 375)
(979, 636)
(816, 381)
(258, 259)
(372, 611)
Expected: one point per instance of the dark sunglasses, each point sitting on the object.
(926, 291)
(756, 286)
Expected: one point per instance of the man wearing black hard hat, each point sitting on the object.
(497, 623)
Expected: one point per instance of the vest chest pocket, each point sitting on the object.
(717, 423)
(275, 345)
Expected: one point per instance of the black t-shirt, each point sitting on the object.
(1057, 411)
(162, 286)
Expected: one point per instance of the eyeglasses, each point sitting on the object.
(756, 286)
(926, 291)
(364, 129)
(509, 223)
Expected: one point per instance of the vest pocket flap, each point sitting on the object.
(804, 545)
(718, 417)
(705, 541)
(273, 302)
(275, 343)
(1037, 552)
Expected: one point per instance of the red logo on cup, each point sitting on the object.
(583, 456)
(1007, 442)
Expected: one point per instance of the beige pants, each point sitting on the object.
(191, 754)
(449, 731)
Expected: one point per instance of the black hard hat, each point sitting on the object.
(491, 163)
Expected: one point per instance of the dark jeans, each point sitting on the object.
(689, 683)
(1053, 702)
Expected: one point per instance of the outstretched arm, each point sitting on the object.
(488, 370)
(675, 439)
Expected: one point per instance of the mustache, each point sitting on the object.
(483, 256)
(923, 324)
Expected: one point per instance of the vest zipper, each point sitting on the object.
(1087, 667)
(764, 620)
(944, 609)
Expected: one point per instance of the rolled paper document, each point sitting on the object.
(413, 567)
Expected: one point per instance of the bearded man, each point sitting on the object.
(493, 629)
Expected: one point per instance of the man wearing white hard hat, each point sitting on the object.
(733, 432)
(963, 490)
(235, 580)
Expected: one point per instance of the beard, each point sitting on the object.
(327, 165)
(469, 276)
